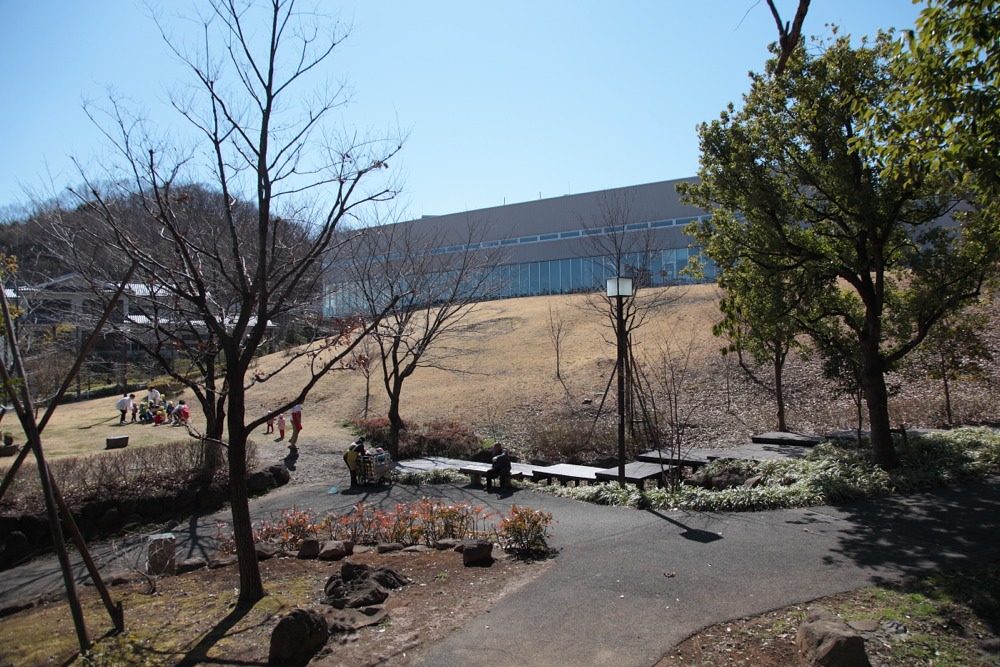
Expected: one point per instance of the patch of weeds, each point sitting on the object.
(830, 473)
(436, 476)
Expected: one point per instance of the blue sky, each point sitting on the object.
(503, 101)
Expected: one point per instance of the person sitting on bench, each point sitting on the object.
(500, 469)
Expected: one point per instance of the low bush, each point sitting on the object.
(423, 522)
(435, 476)
(440, 438)
(831, 473)
(569, 439)
(525, 532)
(121, 474)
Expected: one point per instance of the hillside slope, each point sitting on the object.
(503, 381)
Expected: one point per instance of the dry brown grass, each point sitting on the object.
(503, 368)
(502, 381)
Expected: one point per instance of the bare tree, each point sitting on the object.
(630, 252)
(668, 397)
(435, 276)
(16, 387)
(557, 334)
(788, 32)
(234, 269)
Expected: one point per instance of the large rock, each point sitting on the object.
(354, 594)
(357, 585)
(280, 473)
(298, 636)
(260, 481)
(389, 578)
(828, 641)
(161, 554)
(335, 549)
(352, 620)
(309, 548)
(266, 550)
(478, 553)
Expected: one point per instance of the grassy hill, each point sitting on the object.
(501, 378)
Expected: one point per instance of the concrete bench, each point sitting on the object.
(638, 473)
(565, 473)
(476, 472)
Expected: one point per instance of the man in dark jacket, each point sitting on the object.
(500, 469)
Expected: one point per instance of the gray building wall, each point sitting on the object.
(552, 245)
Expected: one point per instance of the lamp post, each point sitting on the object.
(620, 287)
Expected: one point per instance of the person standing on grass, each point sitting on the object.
(296, 424)
(281, 427)
(124, 404)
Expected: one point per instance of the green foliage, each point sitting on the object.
(792, 194)
(831, 473)
(947, 105)
(525, 531)
(435, 476)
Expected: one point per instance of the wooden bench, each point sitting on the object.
(637, 472)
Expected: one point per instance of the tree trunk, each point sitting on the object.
(396, 424)
(779, 395)
(947, 398)
(251, 584)
(877, 398)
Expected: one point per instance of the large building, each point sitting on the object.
(567, 244)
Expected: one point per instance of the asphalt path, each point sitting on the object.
(628, 585)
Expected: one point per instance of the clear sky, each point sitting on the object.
(504, 101)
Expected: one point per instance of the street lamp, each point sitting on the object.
(620, 287)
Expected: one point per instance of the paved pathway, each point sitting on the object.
(608, 600)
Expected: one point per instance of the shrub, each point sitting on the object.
(525, 531)
(440, 438)
(570, 439)
(423, 522)
(831, 473)
(115, 475)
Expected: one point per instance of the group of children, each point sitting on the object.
(153, 410)
(280, 421)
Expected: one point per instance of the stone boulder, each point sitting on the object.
(260, 482)
(161, 554)
(298, 636)
(266, 550)
(386, 577)
(477, 553)
(280, 473)
(335, 549)
(357, 585)
(352, 620)
(827, 641)
(309, 548)
(353, 594)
